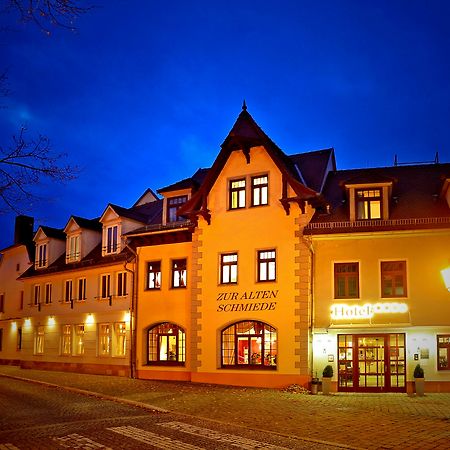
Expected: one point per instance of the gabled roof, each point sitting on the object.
(244, 135)
(147, 197)
(88, 224)
(53, 233)
(193, 182)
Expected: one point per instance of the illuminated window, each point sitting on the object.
(68, 288)
(48, 293)
(249, 344)
(81, 289)
(111, 240)
(78, 340)
(179, 273)
(166, 344)
(120, 334)
(346, 280)
(39, 338)
(237, 194)
(393, 279)
(173, 205)
(154, 275)
(41, 256)
(104, 339)
(73, 249)
(443, 344)
(228, 268)
(368, 204)
(122, 284)
(267, 265)
(66, 340)
(105, 286)
(260, 190)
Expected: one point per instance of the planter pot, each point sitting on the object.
(420, 386)
(326, 385)
(314, 386)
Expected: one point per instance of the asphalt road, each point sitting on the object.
(34, 417)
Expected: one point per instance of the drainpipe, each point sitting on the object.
(133, 311)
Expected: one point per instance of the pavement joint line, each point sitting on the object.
(165, 411)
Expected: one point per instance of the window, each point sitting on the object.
(173, 205)
(66, 340)
(78, 341)
(39, 340)
(443, 344)
(19, 339)
(105, 286)
(73, 250)
(393, 278)
(1, 339)
(237, 194)
(154, 275)
(68, 291)
(41, 256)
(2, 303)
(122, 284)
(368, 204)
(267, 265)
(260, 190)
(120, 332)
(228, 268)
(346, 280)
(104, 339)
(81, 290)
(112, 239)
(166, 344)
(37, 295)
(21, 295)
(48, 293)
(249, 344)
(179, 273)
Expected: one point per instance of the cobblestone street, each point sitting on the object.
(369, 421)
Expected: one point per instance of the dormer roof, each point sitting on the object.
(147, 197)
(50, 232)
(193, 182)
(88, 224)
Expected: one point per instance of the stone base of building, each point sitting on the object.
(10, 362)
(93, 369)
(430, 387)
(164, 375)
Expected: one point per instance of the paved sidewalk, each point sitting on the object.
(370, 421)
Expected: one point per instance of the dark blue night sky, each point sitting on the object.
(145, 92)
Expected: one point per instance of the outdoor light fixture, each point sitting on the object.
(446, 277)
(90, 318)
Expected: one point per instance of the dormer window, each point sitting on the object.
(41, 256)
(73, 249)
(112, 240)
(173, 204)
(368, 204)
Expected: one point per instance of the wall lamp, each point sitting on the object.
(446, 277)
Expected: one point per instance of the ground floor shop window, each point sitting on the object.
(166, 344)
(66, 340)
(104, 339)
(249, 344)
(120, 333)
(443, 343)
(39, 340)
(78, 340)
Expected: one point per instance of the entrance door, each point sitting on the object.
(371, 363)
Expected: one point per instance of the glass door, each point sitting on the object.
(371, 363)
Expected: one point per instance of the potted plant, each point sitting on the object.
(327, 374)
(419, 380)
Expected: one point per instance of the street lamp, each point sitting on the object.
(446, 277)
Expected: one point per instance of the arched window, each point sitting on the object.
(166, 344)
(249, 345)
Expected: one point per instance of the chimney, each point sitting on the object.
(23, 230)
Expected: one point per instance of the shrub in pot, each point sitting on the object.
(419, 380)
(327, 374)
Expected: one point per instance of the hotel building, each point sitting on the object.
(258, 271)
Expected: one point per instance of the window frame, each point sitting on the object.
(39, 340)
(173, 204)
(78, 339)
(228, 265)
(120, 339)
(105, 288)
(81, 289)
(346, 276)
(66, 340)
(36, 294)
(266, 263)
(260, 189)
(2, 302)
(151, 284)
(445, 345)
(232, 337)
(68, 291)
(237, 194)
(73, 248)
(178, 279)
(48, 291)
(368, 202)
(104, 339)
(41, 260)
(166, 330)
(121, 284)
(385, 275)
(111, 240)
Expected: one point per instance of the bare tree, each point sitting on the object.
(46, 14)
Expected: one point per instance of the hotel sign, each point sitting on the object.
(343, 311)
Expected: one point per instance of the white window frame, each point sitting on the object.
(120, 339)
(81, 289)
(104, 339)
(73, 251)
(68, 291)
(66, 340)
(121, 282)
(41, 260)
(48, 293)
(105, 293)
(39, 340)
(78, 339)
(111, 239)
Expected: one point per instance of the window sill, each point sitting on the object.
(165, 364)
